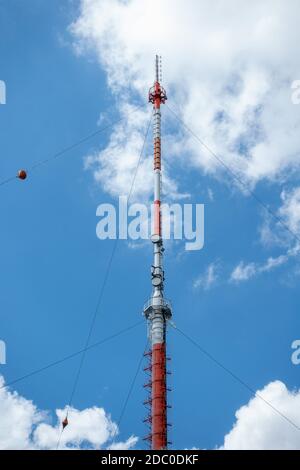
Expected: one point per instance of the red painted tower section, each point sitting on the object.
(157, 310)
(159, 397)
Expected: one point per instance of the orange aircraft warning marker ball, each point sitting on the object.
(65, 423)
(22, 174)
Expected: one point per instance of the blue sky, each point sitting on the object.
(52, 264)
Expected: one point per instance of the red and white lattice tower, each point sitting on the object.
(157, 310)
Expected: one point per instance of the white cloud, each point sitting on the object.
(208, 279)
(244, 272)
(275, 233)
(290, 209)
(259, 427)
(228, 68)
(285, 232)
(272, 263)
(210, 194)
(114, 167)
(24, 426)
(131, 442)
(18, 418)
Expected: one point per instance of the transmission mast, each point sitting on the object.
(157, 310)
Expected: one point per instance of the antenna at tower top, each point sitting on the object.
(158, 71)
